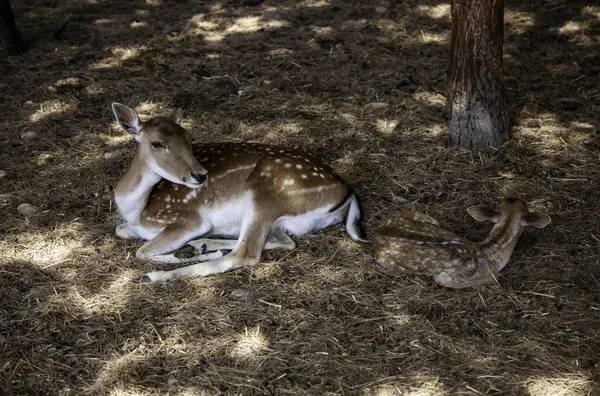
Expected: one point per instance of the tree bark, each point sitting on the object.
(10, 39)
(476, 95)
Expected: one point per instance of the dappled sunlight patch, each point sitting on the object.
(322, 30)
(254, 24)
(430, 98)
(571, 27)
(45, 249)
(137, 24)
(328, 274)
(44, 158)
(125, 391)
(290, 128)
(433, 38)
(386, 127)
(119, 55)
(216, 29)
(518, 22)
(114, 368)
(313, 4)
(51, 108)
(94, 89)
(249, 345)
(591, 11)
(432, 387)
(438, 11)
(104, 21)
(68, 82)
(566, 385)
(266, 270)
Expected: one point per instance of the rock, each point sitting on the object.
(29, 103)
(3, 174)
(52, 89)
(172, 381)
(28, 210)
(112, 155)
(240, 293)
(244, 92)
(27, 135)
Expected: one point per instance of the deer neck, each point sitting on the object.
(501, 241)
(133, 190)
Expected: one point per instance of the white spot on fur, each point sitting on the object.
(303, 176)
(288, 165)
(298, 166)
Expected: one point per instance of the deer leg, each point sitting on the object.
(123, 231)
(171, 238)
(247, 252)
(277, 239)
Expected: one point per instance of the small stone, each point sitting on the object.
(240, 293)
(172, 381)
(244, 92)
(29, 103)
(3, 174)
(4, 199)
(268, 83)
(112, 155)
(377, 106)
(52, 89)
(381, 9)
(28, 210)
(27, 135)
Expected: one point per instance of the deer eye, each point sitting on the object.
(157, 145)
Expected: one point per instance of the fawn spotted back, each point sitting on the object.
(413, 242)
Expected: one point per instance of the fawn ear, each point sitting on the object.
(484, 213)
(536, 219)
(176, 116)
(128, 119)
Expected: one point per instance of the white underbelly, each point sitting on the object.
(226, 219)
(308, 222)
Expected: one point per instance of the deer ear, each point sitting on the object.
(484, 213)
(176, 116)
(536, 219)
(128, 119)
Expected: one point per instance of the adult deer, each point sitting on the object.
(413, 242)
(175, 192)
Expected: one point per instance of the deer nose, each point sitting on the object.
(198, 177)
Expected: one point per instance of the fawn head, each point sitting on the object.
(509, 209)
(164, 146)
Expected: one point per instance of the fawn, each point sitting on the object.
(251, 195)
(414, 242)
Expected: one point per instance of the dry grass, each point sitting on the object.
(322, 319)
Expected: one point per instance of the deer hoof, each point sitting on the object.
(144, 279)
(187, 251)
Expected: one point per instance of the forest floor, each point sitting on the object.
(322, 319)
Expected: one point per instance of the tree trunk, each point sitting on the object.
(10, 39)
(476, 96)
